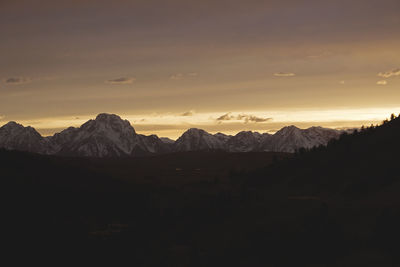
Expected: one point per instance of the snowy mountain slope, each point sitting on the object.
(222, 137)
(107, 135)
(14, 136)
(153, 144)
(196, 140)
(245, 141)
(167, 140)
(291, 138)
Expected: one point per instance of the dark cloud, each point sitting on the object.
(242, 117)
(122, 80)
(390, 73)
(17, 80)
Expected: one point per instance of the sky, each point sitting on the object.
(223, 66)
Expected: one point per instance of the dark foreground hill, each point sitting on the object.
(331, 206)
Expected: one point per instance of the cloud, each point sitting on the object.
(252, 118)
(225, 117)
(342, 82)
(122, 80)
(242, 117)
(182, 76)
(188, 113)
(177, 77)
(321, 55)
(17, 80)
(284, 74)
(388, 74)
(383, 82)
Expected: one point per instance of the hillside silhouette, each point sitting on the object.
(329, 206)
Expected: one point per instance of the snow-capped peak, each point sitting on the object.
(196, 139)
(15, 136)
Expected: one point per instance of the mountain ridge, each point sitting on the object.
(108, 135)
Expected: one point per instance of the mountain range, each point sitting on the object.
(110, 136)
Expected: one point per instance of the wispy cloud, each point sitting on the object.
(390, 73)
(177, 77)
(383, 82)
(182, 76)
(188, 113)
(320, 55)
(284, 74)
(242, 117)
(226, 117)
(251, 118)
(122, 80)
(17, 80)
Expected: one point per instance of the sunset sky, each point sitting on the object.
(224, 66)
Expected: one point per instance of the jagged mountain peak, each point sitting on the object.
(244, 141)
(15, 136)
(197, 139)
(106, 135)
(316, 127)
(108, 117)
(195, 131)
(288, 129)
(12, 124)
(248, 133)
(291, 138)
(105, 121)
